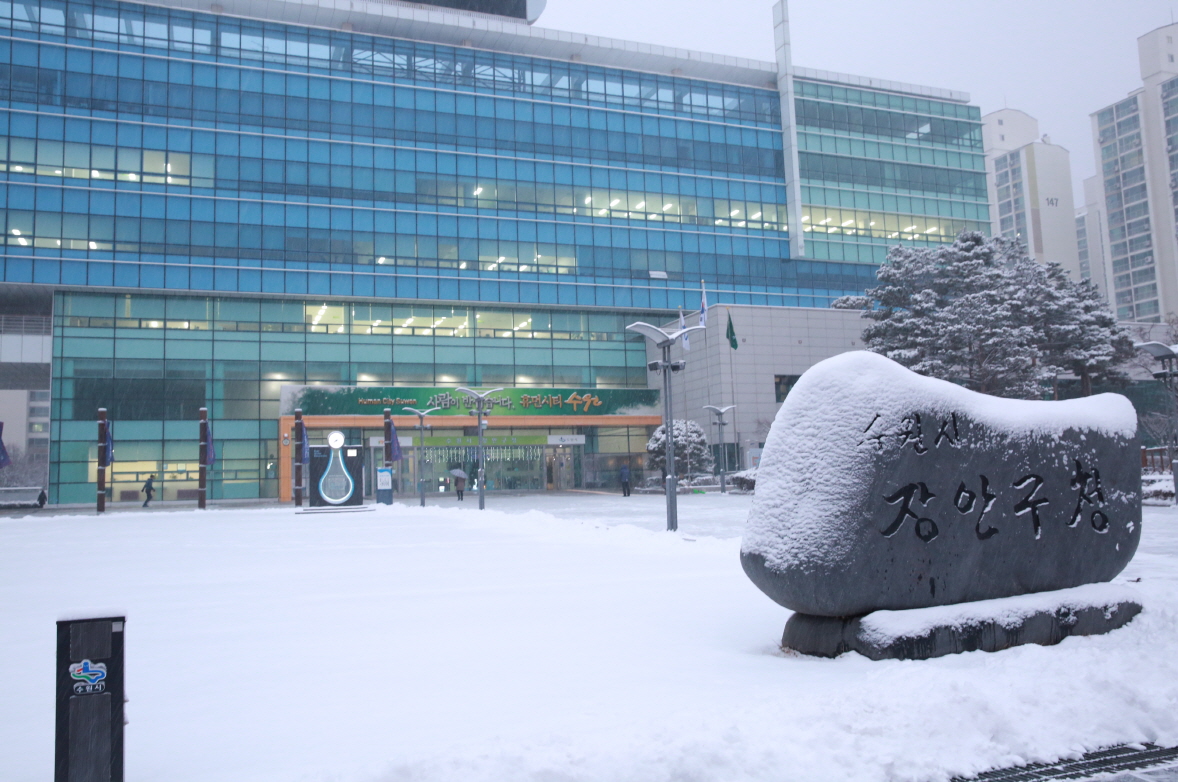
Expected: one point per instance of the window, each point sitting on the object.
(999, 122)
(782, 384)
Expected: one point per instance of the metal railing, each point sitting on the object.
(1157, 460)
(36, 325)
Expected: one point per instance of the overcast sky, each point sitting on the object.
(1057, 60)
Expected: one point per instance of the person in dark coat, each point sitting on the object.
(624, 474)
(148, 489)
(459, 485)
(42, 498)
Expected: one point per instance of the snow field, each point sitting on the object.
(574, 644)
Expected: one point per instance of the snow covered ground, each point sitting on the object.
(550, 639)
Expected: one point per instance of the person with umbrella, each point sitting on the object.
(459, 481)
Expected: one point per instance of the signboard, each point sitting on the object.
(354, 400)
(404, 441)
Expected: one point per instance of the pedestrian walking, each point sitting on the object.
(148, 489)
(624, 474)
(459, 486)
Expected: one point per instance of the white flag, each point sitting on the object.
(683, 325)
(703, 305)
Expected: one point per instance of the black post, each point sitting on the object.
(102, 459)
(204, 459)
(388, 437)
(672, 480)
(481, 417)
(90, 697)
(300, 433)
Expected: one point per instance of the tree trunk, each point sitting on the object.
(1085, 382)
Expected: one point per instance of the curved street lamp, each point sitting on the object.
(663, 340)
(421, 427)
(482, 408)
(721, 423)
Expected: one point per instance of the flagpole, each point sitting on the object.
(732, 389)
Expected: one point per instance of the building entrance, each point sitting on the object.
(536, 439)
(559, 468)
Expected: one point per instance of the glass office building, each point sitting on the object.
(224, 204)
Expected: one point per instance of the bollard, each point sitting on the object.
(89, 743)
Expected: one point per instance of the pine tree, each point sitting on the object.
(691, 448)
(980, 312)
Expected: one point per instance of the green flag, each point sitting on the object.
(731, 334)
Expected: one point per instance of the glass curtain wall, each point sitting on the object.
(880, 168)
(154, 361)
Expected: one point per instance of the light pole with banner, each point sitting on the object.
(482, 408)
(721, 423)
(664, 340)
(421, 427)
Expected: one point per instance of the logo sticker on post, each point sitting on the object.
(88, 677)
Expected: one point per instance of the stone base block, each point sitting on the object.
(1043, 618)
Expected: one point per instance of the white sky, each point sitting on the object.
(1057, 60)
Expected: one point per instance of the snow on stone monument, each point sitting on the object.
(890, 500)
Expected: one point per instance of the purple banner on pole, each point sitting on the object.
(5, 460)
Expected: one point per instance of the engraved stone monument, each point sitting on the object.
(880, 490)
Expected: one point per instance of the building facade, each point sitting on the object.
(1031, 188)
(1136, 146)
(225, 199)
(1092, 237)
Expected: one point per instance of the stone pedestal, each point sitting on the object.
(1044, 618)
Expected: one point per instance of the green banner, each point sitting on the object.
(355, 400)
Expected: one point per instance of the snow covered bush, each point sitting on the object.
(1157, 488)
(745, 480)
(692, 454)
(981, 313)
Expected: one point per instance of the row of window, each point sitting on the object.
(885, 100)
(125, 147)
(851, 222)
(758, 155)
(182, 33)
(62, 234)
(891, 176)
(145, 311)
(99, 202)
(877, 123)
(1125, 108)
(796, 289)
(849, 198)
(379, 185)
(883, 150)
(1121, 146)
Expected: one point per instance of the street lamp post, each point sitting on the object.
(421, 427)
(721, 423)
(664, 340)
(482, 408)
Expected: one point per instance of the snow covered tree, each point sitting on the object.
(1078, 334)
(980, 312)
(692, 454)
